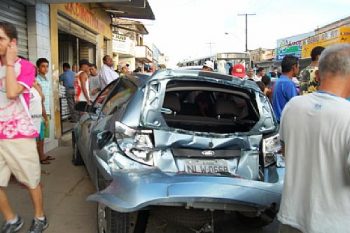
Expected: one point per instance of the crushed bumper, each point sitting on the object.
(132, 191)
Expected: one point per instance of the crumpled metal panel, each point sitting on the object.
(136, 186)
(132, 191)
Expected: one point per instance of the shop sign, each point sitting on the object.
(291, 45)
(123, 44)
(80, 12)
(338, 35)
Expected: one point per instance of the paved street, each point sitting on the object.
(65, 190)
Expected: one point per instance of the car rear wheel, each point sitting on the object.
(77, 159)
(110, 221)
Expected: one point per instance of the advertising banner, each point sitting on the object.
(335, 36)
(291, 45)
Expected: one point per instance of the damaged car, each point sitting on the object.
(180, 139)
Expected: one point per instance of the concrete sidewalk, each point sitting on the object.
(65, 188)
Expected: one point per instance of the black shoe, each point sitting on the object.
(38, 226)
(12, 227)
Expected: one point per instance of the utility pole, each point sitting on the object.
(210, 44)
(246, 29)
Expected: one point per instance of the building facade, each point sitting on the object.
(261, 54)
(65, 32)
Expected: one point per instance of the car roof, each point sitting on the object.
(202, 75)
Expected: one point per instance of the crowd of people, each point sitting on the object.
(280, 87)
(85, 84)
(315, 137)
(314, 131)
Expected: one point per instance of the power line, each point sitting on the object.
(246, 29)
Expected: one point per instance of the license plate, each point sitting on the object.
(206, 167)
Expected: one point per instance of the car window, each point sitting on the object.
(120, 95)
(97, 104)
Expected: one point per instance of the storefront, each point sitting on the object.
(78, 31)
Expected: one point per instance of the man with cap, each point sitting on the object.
(238, 70)
(81, 83)
(208, 66)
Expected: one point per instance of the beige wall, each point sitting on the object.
(94, 20)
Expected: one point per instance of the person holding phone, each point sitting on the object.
(18, 152)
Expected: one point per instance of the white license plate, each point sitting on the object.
(206, 167)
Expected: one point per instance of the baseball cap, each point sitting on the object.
(238, 70)
(209, 64)
(84, 62)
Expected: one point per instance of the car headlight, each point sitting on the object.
(271, 149)
(136, 144)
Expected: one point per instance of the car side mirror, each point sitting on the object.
(81, 106)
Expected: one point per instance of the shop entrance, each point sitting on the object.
(71, 50)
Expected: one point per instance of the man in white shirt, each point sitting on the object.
(107, 73)
(316, 194)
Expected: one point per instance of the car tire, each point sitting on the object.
(110, 221)
(77, 159)
(264, 219)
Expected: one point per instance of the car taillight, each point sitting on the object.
(271, 148)
(136, 144)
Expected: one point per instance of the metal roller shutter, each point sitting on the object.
(70, 27)
(15, 13)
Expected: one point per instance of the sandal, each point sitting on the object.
(45, 162)
(50, 158)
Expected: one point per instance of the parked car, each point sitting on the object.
(184, 139)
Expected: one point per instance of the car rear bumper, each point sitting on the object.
(132, 191)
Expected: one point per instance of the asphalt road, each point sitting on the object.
(66, 188)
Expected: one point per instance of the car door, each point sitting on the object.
(87, 123)
(110, 112)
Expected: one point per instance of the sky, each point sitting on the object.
(186, 29)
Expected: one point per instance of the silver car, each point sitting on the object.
(180, 140)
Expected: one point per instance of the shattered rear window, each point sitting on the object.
(209, 107)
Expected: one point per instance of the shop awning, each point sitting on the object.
(136, 9)
(129, 25)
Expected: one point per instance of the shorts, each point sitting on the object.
(41, 132)
(20, 158)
